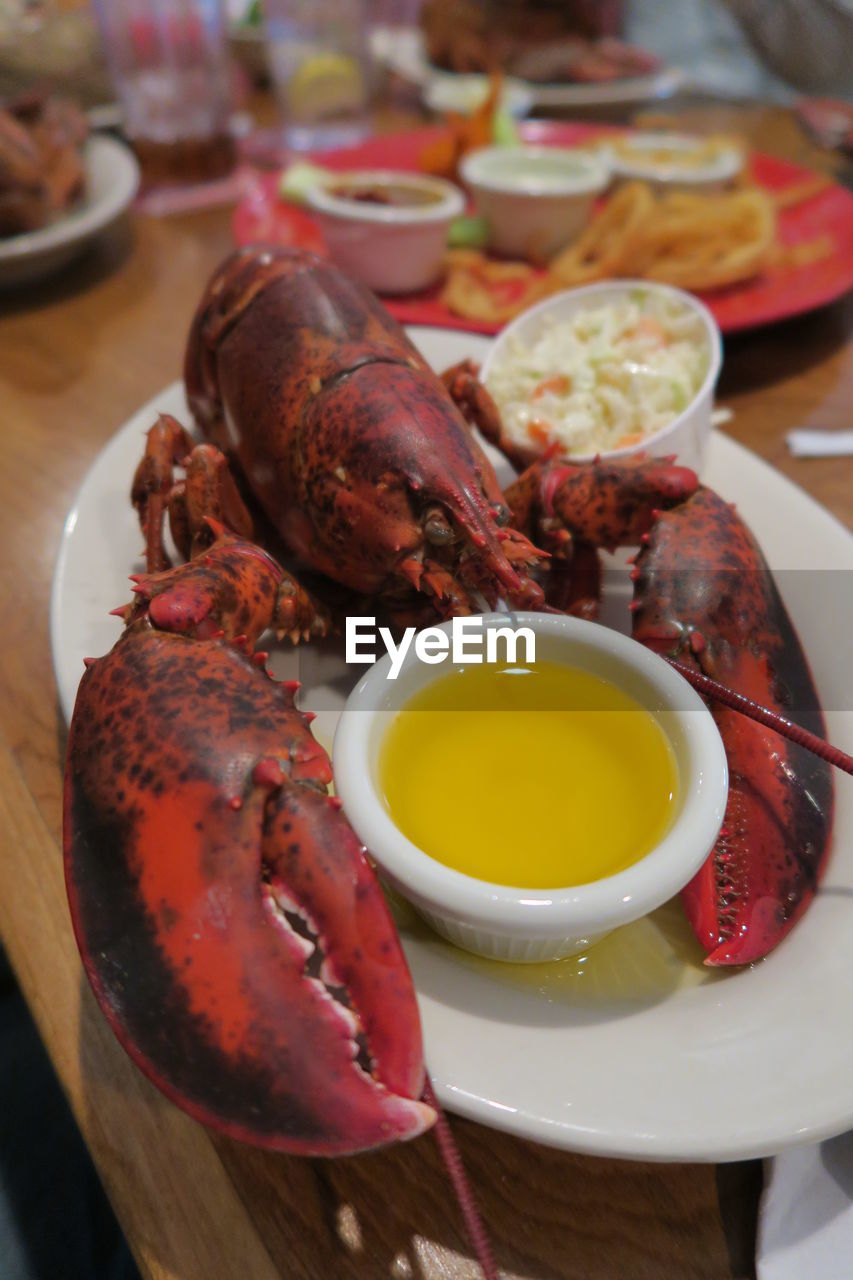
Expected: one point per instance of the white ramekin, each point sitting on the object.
(688, 434)
(535, 199)
(534, 925)
(633, 158)
(389, 248)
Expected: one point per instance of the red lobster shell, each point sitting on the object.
(229, 923)
(347, 438)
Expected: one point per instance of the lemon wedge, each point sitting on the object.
(326, 85)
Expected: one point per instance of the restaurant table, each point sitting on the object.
(78, 356)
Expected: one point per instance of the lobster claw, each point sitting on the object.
(230, 925)
(706, 595)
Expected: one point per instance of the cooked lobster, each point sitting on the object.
(230, 925)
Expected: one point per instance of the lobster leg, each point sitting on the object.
(572, 510)
(208, 489)
(574, 586)
(477, 406)
(166, 445)
(472, 399)
(228, 588)
(201, 509)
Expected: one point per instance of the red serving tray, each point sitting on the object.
(777, 294)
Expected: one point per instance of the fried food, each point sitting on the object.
(696, 242)
(482, 289)
(41, 163)
(796, 194)
(608, 242)
(702, 243)
(545, 41)
(464, 133)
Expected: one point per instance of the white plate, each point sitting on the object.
(639, 1051)
(401, 50)
(112, 177)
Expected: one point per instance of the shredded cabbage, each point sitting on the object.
(605, 378)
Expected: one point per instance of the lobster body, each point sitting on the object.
(704, 593)
(229, 922)
(346, 437)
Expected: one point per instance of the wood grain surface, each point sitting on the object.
(77, 357)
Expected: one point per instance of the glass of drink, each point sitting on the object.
(168, 60)
(318, 63)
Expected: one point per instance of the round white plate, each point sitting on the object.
(637, 1051)
(401, 50)
(112, 177)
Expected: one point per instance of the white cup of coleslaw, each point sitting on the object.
(686, 435)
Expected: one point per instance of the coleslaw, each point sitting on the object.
(604, 379)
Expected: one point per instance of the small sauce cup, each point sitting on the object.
(535, 199)
(534, 925)
(384, 228)
(675, 161)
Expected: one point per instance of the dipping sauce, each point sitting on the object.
(540, 776)
(397, 195)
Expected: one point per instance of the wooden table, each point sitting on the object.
(77, 357)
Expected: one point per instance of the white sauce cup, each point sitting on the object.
(636, 156)
(535, 199)
(534, 925)
(390, 248)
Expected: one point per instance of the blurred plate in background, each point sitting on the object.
(401, 50)
(112, 178)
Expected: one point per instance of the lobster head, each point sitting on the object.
(348, 439)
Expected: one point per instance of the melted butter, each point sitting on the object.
(537, 777)
(633, 967)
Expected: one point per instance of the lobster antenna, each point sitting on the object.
(462, 1187)
(739, 702)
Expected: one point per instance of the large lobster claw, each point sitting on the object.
(229, 922)
(705, 594)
